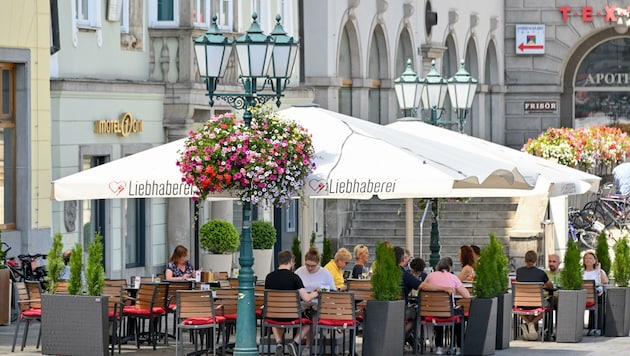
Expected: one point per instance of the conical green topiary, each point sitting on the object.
(603, 251)
(571, 275)
(297, 252)
(491, 271)
(95, 273)
(55, 263)
(387, 276)
(75, 284)
(621, 266)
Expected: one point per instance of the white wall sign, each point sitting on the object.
(530, 39)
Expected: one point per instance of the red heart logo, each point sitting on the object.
(317, 185)
(117, 187)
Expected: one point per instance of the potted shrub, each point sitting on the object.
(264, 236)
(384, 330)
(490, 282)
(297, 252)
(219, 239)
(78, 324)
(617, 321)
(572, 298)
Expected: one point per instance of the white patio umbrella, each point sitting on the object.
(544, 175)
(355, 159)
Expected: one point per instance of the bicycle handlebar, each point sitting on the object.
(37, 255)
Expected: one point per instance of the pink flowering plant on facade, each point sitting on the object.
(584, 148)
(266, 162)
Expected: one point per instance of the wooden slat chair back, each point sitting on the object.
(528, 299)
(464, 303)
(171, 303)
(150, 304)
(591, 302)
(437, 308)
(222, 276)
(283, 310)
(29, 294)
(233, 282)
(336, 313)
(61, 287)
(227, 298)
(114, 311)
(195, 311)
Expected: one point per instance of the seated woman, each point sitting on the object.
(593, 270)
(178, 267)
(336, 266)
(361, 256)
(467, 258)
(312, 274)
(531, 273)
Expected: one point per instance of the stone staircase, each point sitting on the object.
(460, 223)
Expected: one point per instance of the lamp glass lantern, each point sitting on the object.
(462, 88)
(254, 50)
(284, 52)
(212, 51)
(407, 88)
(433, 90)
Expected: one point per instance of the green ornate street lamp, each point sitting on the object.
(433, 88)
(262, 60)
(461, 90)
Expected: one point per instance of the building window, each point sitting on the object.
(124, 17)
(164, 13)
(135, 234)
(223, 10)
(201, 13)
(291, 216)
(7, 146)
(93, 212)
(87, 13)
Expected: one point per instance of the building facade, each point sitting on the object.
(124, 80)
(25, 162)
(577, 76)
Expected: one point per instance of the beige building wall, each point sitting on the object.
(26, 25)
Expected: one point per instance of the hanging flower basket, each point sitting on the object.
(266, 162)
(591, 149)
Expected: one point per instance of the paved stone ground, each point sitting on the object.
(591, 345)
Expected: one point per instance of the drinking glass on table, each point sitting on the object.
(365, 273)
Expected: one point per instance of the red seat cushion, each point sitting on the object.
(360, 318)
(110, 314)
(430, 319)
(32, 313)
(172, 307)
(132, 310)
(290, 322)
(590, 304)
(259, 313)
(336, 322)
(203, 321)
(230, 316)
(533, 311)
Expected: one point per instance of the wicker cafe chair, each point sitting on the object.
(29, 299)
(283, 310)
(529, 300)
(591, 303)
(149, 306)
(437, 308)
(195, 311)
(335, 313)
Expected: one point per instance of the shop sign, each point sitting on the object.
(540, 106)
(123, 126)
(530, 39)
(612, 14)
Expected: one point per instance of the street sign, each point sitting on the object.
(530, 39)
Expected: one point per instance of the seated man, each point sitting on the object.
(531, 273)
(284, 279)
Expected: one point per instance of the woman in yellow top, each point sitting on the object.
(336, 266)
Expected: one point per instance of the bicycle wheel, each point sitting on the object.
(597, 213)
(588, 238)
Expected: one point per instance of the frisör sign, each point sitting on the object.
(540, 106)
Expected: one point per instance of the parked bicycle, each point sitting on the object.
(611, 210)
(26, 267)
(581, 228)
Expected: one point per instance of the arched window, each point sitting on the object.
(602, 85)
